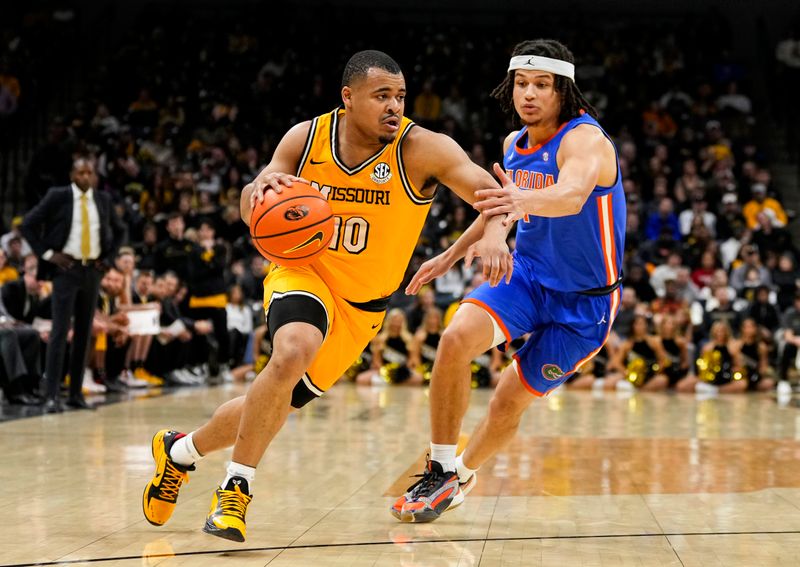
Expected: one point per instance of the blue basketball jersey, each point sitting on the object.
(573, 253)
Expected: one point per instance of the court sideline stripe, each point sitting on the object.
(370, 543)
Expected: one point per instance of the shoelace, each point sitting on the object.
(171, 482)
(233, 503)
(427, 481)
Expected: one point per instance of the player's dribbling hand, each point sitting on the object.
(428, 271)
(508, 201)
(273, 181)
(498, 264)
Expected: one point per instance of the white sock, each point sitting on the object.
(464, 472)
(445, 455)
(237, 469)
(184, 452)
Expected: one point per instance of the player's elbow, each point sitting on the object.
(572, 203)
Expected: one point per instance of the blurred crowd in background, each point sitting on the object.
(180, 116)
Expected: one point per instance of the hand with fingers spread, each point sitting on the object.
(508, 201)
(498, 264)
(271, 181)
(429, 271)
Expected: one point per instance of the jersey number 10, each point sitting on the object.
(351, 234)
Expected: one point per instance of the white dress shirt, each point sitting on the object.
(73, 245)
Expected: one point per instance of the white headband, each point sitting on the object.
(537, 63)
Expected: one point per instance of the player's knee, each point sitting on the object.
(293, 357)
(457, 342)
(505, 411)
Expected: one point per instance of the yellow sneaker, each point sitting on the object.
(142, 374)
(228, 508)
(161, 493)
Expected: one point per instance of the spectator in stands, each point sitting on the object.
(207, 292)
(252, 278)
(786, 277)
(762, 311)
(13, 252)
(685, 287)
(424, 301)
(25, 248)
(703, 274)
(240, 326)
(24, 296)
(636, 278)
(664, 220)
(761, 203)
(110, 330)
(699, 209)
(750, 261)
(721, 310)
(172, 253)
(770, 238)
(427, 106)
(19, 360)
(791, 337)
(664, 272)
(689, 182)
(146, 250)
(730, 222)
(170, 354)
(8, 273)
(626, 313)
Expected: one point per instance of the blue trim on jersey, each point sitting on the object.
(577, 252)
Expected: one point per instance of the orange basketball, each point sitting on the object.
(293, 227)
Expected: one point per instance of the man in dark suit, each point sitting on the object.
(75, 230)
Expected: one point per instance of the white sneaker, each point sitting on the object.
(131, 381)
(92, 387)
(183, 377)
(624, 386)
(706, 389)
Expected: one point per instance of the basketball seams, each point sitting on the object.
(264, 237)
(283, 201)
(271, 216)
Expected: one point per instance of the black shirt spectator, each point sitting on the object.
(173, 253)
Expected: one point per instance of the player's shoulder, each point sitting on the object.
(585, 138)
(421, 146)
(509, 140)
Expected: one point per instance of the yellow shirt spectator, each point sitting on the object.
(761, 203)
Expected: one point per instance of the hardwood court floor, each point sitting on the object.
(592, 480)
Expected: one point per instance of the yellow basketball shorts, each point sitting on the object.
(349, 329)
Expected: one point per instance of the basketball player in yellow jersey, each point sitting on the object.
(378, 172)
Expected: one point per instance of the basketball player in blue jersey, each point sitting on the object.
(561, 182)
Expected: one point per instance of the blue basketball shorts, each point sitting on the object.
(566, 328)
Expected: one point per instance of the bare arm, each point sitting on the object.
(286, 159)
(586, 159)
(438, 157)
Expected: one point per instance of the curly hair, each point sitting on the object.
(572, 99)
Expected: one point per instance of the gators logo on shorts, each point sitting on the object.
(552, 372)
(296, 213)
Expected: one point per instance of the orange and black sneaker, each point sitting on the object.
(228, 508)
(435, 492)
(161, 493)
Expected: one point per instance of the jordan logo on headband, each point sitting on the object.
(537, 63)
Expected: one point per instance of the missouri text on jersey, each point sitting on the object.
(353, 194)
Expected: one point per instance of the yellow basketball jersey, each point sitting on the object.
(378, 213)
